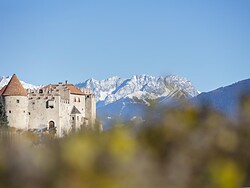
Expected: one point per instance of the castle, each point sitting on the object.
(61, 107)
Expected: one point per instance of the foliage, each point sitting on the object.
(185, 147)
(3, 116)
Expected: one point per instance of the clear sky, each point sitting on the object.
(49, 41)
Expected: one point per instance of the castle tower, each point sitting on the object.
(90, 108)
(16, 103)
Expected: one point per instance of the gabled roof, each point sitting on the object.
(14, 88)
(2, 90)
(75, 110)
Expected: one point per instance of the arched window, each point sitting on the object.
(51, 124)
(79, 99)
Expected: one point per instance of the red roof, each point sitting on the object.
(71, 87)
(14, 88)
(2, 90)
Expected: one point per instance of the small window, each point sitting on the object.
(79, 100)
(17, 101)
(73, 118)
(29, 113)
(10, 111)
(74, 99)
(24, 111)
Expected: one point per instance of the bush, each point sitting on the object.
(186, 147)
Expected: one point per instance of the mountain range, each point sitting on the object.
(5, 80)
(129, 98)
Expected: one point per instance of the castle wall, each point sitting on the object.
(80, 105)
(52, 106)
(90, 108)
(16, 109)
(40, 113)
(64, 117)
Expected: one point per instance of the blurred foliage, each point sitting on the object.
(185, 147)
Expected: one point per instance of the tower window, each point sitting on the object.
(17, 101)
(10, 111)
(73, 118)
(29, 113)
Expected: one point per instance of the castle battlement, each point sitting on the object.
(63, 107)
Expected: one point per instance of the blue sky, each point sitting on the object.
(49, 41)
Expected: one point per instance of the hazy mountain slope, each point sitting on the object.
(225, 99)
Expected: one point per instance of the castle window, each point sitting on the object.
(17, 101)
(40, 91)
(88, 96)
(10, 111)
(51, 124)
(79, 100)
(29, 113)
(74, 99)
(73, 118)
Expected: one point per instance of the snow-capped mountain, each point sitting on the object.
(142, 87)
(224, 99)
(128, 99)
(5, 80)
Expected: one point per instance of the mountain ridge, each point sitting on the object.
(143, 86)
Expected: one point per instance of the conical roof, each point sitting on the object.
(14, 88)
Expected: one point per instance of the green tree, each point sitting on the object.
(3, 116)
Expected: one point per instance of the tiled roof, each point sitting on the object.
(14, 88)
(73, 89)
(2, 90)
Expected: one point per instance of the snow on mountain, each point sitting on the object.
(5, 80)
(128, 99)
(224, 99)
(140, 86)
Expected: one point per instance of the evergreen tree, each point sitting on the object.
(3, 116)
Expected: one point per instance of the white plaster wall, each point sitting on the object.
(64, 116)
(91, 109)
(17, 112)
(79, 105)
(40, 116)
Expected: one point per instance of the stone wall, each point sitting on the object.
(16, 109)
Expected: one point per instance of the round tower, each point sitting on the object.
(16, 103)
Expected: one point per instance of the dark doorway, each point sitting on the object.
(51, 124)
